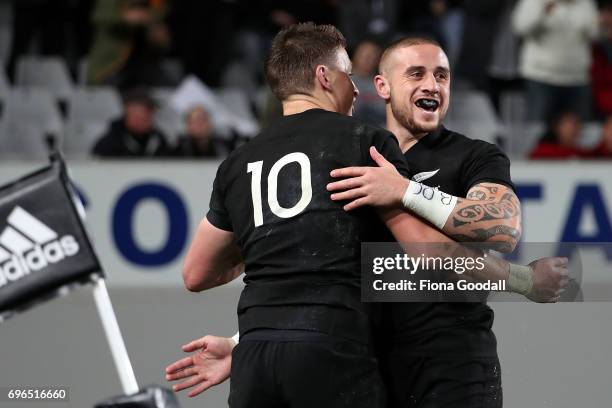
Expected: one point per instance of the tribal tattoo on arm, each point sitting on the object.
(490, 213)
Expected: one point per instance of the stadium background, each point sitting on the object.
(142, 211)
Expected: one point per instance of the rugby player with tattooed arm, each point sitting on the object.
(475, 201)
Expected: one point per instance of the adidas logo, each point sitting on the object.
(28, 245)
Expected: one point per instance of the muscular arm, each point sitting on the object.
(548, 276)
(408, 229)
(490, 213)
(213, 258)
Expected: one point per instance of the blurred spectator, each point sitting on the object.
(503, 67)
(601, 68)
(426, 18)
(481, 22)
(441, 20)
(604, 148)
(369, 107)
(560, 141)
(133, 135)
(199, 139)
(260, 20)
(203, 32)
(555, 54)
(363, 19)
(243, 72)
(129, 42)
(230, 115)
(452, 26)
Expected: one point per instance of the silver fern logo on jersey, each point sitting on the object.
(424, 175)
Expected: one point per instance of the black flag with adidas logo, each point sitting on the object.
(44, 248)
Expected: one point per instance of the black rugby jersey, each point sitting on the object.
(454, 163)
(301, 249)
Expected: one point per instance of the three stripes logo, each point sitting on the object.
(28, 245)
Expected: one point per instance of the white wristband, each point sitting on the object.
(236, 337)
(428, 202)
(520, 279)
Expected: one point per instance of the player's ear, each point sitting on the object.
(382, 87)
(322, 74)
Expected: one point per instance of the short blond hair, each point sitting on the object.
(404, 43)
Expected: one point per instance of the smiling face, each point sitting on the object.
(568, 128)
(138, 118)
(198, 123)
(415, 81)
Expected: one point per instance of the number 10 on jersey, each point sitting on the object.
(275, 207)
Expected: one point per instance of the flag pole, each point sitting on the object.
(113, 335)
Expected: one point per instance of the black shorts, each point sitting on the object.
(313, 370)
(441, 382)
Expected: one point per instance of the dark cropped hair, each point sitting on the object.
(296, 51)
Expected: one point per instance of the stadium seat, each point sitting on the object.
(513, 108)
(260, 99)
(81, 79)
(591, 135)
(483, 131)
(167, 119)
(471, 105)
(94, 104)
(5, 86)
(522, 138)
(22, 141)
(33, 106)
(91, 110)
(237, 103)
(6, 30)
(472, 113)
(162, 95)
(80, 138)
(238, 76)
(169, 122)
(45, 72)
(173, 68)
